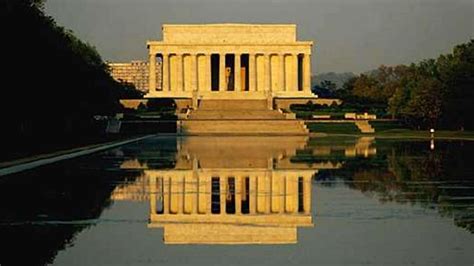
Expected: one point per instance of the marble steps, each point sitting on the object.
(233, 105)
(276, 127)
(364, 126)
(236, 114)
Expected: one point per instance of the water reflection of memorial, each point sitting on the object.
(234, 190)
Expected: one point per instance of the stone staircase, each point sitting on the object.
(364, 126)
(233, 105)
(236, 115)
(239, 117)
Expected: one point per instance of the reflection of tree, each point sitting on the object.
(425, 178)
(154, 157)
(40, 209)
(407, 172)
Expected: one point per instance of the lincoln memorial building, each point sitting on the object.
(223, 72)
(231, 61)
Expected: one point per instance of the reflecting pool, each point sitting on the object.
(246, 200)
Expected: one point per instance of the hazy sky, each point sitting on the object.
(349, 35)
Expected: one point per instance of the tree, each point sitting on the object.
(425, 104)
(456, 71)
(56, 82)
(329, 85)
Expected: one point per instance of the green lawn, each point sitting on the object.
(408, 133)
(386, 129)
(336, 128)
(381, 126)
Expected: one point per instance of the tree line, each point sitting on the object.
(53, 83)
(433, 93)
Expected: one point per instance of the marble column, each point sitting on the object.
(194, 72)
(268, 67)
(152, 73)
(194, 79)
(237, 74)
(307, 72)
(281, 58)
(165, 76)
(207, 73)
(222, 80)
(203, 72)
(294, 72)
(179, 73)
(252, 73)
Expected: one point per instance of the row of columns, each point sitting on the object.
(202, 81)
(265, 196)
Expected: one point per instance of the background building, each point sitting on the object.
(135, 72)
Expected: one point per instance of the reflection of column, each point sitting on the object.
(282, 194)
(153, 193)
(261, 195)
(268, 194)
(176, 191)
(166, 195)
(307, 194)
(291, 194)
(189, 194)
(180, 191)
(203, 196)
(237, 73)
(223, 194)
(152, 73)
(275, 194)
(222, 77)
(252, 73)
(238, 194)
(307, 72)
(165, 73)
(253, 195)
(180, 74)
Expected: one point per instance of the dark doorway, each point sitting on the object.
(215, 196)
(230, 200)
(215, 72)
(229, 71)
(300, 195)
(300, 72)
(244, 72)
(245, 196)
(159, 196)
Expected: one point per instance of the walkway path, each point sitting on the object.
(37, 161)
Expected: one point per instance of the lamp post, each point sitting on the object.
(432, 144)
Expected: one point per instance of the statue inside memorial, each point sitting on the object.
(229, 78)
